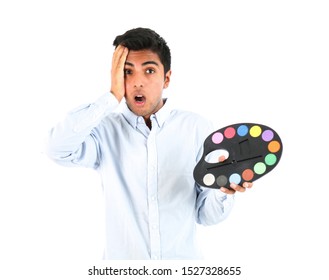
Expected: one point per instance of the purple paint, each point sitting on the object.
(267, 135)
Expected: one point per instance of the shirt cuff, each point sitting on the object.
(106, 102)
(217, 194)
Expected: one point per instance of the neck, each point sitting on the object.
(148, 122)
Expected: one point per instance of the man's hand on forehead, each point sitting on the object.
(117, 72)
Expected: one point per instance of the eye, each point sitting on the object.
(150, 71)
(127, 71)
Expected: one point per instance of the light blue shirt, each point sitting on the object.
(152, 202)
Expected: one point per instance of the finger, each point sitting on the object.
(227, 191)
(221, 159)
(237, 188)
(117, 53)
(247, 185)
(119, 56)
(123, 55)
(118, 62)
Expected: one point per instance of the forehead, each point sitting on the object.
(141, 56)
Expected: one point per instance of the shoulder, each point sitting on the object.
(190, 117)
(191, 123)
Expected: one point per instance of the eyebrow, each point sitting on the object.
(144, 63)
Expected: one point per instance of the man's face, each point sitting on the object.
(144, 82)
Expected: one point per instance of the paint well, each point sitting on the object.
(217, 138)
(208, 179)
(274, 146)
(255, 131)
(267, 135)
(259, 168)
(221, 180)
(242, 130)
(247, 174)
(229, 132)
(270, 159)
(235, 178)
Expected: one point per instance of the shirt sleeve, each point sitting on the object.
(72, 142)
(213, 206)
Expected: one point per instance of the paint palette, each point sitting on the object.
(238, 153)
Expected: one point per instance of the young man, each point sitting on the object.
(145, 155)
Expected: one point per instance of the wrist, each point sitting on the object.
(118, 97)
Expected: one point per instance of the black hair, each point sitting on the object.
(146, 39)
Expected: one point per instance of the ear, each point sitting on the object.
(167, 79)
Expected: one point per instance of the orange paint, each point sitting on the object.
(274, 146)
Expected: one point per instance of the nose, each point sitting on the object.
(138, 81)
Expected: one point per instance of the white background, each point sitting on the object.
(232, 61)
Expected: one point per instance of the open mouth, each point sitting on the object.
(140, 99)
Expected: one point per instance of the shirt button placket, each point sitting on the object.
(152, 185)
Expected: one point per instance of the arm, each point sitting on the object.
(72, 141)
(213, 206)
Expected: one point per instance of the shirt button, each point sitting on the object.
(154, 257)
(153, 198)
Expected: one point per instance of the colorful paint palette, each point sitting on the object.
(238, 153)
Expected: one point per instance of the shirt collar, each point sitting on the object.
(160, 116)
